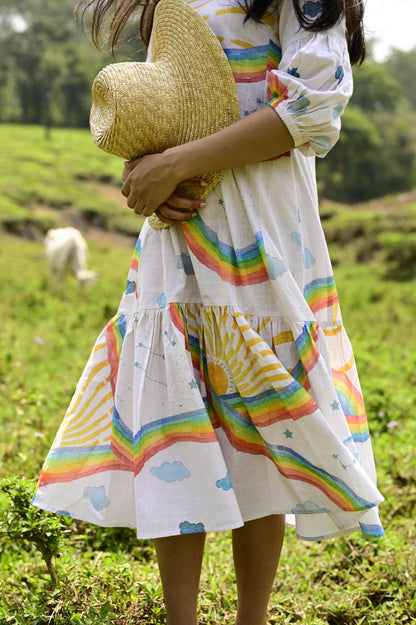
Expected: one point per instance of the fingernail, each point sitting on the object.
(203, 183)
(194, 214)
(202, 204)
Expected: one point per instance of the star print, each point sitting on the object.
(288, 434)
(335, 456)
(192, 384)
(259, 101)
(294, 72)
(220, 201)
(335, 405)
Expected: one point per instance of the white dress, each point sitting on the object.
(225, 387)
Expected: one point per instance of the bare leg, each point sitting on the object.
(256, 547)
(180, 560)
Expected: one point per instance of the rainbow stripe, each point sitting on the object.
(352, 405)
(194, 426)
(125, 453)
(240, 430)
(251, 64)
(134, 265)
(65, 464)
(293, 466)
(274, 405)
(321, 293)
(372, 530)
(238, 267)
(230, 413)
(306, 346)
(115, 331)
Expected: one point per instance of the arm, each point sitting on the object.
(152, 180)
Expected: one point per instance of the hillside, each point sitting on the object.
(107, 576)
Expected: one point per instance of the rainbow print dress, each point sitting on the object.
(224, 389)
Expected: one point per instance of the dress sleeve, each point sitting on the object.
(313, 83)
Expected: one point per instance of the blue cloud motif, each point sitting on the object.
(171, 472)
(312, 9)
(308, 259)
(339, 74)
(224, 483)
(161, 300)
(183, 261)
(97, 497)
(191, 528)
(299, 106)
(131, 287)
(337, 111)
(308, 508)
(276, 267)
(293, 72)
(350, 445)
(296, 237)
(321, 144)
(64, 513)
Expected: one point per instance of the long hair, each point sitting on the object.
(331, 11)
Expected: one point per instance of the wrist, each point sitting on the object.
(177, 160)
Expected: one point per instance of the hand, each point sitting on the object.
(151, 185)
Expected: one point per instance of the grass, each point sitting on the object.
(106, 575)
(45, 339)
(53, 178)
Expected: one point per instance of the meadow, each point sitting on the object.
(107, 576)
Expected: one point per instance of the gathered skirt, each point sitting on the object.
(225, 387)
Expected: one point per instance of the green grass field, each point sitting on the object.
(106, 575)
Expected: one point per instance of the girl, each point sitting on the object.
(224, 394)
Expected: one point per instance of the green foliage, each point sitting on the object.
(19, 521)
(106, 575)
(400, 250)
(375, 90)
(401, 66)
(375, 154)
(46, 71)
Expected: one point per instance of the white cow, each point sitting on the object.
(67, 252)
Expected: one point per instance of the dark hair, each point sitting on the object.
(331, 11)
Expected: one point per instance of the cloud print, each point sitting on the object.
(308, 508)
(275, 267)
(161, 300)
(171, 472)
(97, 497)
(131, 287)
(296, 237)
(191, 528)
(321, 144)
(308, 259)
(183, 261)
(224, 483)
(312, 9)
(299, 106)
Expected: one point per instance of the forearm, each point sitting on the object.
(257, 137)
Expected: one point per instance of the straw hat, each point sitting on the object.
(186, 92)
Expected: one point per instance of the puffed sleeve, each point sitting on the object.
(313, 83)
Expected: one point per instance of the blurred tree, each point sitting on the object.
(402, 67)
(376, 151)
(47, 65)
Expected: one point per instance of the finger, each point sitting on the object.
(176, 214)
(167, 220)
(193, 182)
(177, 201)
(125, 189)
